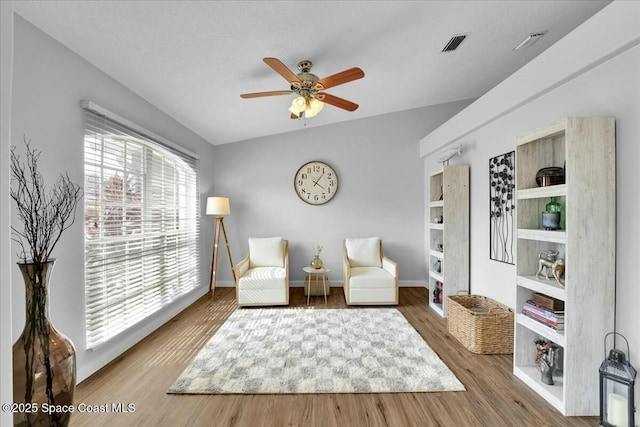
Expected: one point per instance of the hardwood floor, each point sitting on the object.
(141, 376)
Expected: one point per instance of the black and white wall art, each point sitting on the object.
(502, 190)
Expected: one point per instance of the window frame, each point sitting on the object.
(149, 277)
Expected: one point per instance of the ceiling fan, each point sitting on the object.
(309, 88)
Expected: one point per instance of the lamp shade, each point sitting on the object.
(218, 206)
(313, 107)
(298, 105)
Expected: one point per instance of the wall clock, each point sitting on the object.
(316, 183)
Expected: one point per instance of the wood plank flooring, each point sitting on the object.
(141, 376)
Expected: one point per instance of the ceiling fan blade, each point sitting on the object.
(270, 93)
(294, 117)
(337, 101)
(282, 69)
(342, 77)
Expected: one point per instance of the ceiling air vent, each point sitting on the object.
(529, 40)
(454, 42)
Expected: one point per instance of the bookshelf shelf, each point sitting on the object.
(436, 254)
(546, 287)
(540, 329)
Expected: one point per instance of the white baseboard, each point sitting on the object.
(225, 284)
(334, 284)
(413, 284)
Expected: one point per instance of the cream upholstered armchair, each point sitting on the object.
(262, 277)
(370, 278)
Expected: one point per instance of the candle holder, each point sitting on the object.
(617, 380)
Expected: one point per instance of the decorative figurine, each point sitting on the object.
(545, 262)
(558, 271)
(546, 360)
(550, 267)
(437, 292)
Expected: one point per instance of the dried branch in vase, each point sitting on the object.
(44, 215)
(545, 354)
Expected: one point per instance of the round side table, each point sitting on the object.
(319, 272)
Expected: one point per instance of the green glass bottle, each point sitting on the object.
(555, 206)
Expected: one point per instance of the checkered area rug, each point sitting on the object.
(316, 351)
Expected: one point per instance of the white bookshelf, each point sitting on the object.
(586, 148)
(449, 199)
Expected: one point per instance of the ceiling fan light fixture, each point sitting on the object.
(298, 105)
(305, 106)
(314, 106)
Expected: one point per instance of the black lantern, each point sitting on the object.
(617, 380)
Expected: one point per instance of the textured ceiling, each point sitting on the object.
(192, 59)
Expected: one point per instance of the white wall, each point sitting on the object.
(49, 82)
(380, 190)
(6, 68)
(606, 82)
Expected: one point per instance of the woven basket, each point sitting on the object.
(482, 325)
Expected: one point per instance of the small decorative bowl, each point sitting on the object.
(550, 176)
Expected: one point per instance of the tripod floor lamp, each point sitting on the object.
(218, 206)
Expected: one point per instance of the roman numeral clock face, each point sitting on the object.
(316, 183)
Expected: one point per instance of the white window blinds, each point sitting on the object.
(141, 226)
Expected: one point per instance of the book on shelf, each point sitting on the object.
(548, 302)
(550, 320)
(535, 308)
(556, 326)
(558, 329)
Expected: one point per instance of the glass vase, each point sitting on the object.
(554, 205)
(44, 360)
(316, 262)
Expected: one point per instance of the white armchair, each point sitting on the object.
(370, 278)
(262, 277)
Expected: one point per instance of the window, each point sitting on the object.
(141, 226)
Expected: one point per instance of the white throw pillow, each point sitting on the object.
(266, 252)
(364, 252)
